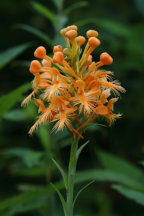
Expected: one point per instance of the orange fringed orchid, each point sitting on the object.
(71, 88)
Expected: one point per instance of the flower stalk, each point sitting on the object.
(71, 177)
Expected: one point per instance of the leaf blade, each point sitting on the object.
(27, 196)
(119, 165)
(98, 175)
(109, 176)
(45, 12)
(36, 32)
(80, 149)
(11, 53)
(61, 197)
(75, 6)
(81, 190)
(136, 196)
(112, 26)
(7, 101)
(61, 171)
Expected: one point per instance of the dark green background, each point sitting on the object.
(120, 25)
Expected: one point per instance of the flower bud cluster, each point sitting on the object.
(70, 89)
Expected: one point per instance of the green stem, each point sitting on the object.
(71, 177)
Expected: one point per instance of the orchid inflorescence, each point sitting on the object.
(70, 89)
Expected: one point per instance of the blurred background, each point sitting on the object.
(114, 156)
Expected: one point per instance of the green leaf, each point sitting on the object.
(29, 172)
(131, 194)
(111, 176)
(62, 173)
(45, 12)
(110, 25)
(15, 115)
(119, 165)
(135, 44)
(62, 21)
(115, 27)
(61, 197)
(8, 213)
(11, 53)
(80, 149)
(19, 152)
(98, 175)
(31, 158)
(75, 6)
(36, 32)
(8, 101)
(28, 196)
(37, 204)
(58, 3)
(81, 190)
(44, 136)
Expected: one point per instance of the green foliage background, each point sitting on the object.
(114, 158)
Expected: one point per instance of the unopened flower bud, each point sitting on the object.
(58, 57)
(63, 31)
(94, 42)
(57, 48)
(72, 27)
(66, 51)
(46, 63)
(106, 59)
(92, 33)
(35, 67)
(80, 40)
(71, 34)
(40, 52)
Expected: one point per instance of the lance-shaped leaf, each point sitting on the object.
(81, 190)
(45, 12)
(110, 176)
(7, 101)
(16, 115)
(11, 53)
(135, 195)
(36, 32)
(80, 149)
(58, 3)
(44, 136)
(61, 197)
(28, 196)
(62, 172)
(75, 6)
(97, 175)
(112, 26)
(119, 165)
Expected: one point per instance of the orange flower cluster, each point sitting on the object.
(70, 89)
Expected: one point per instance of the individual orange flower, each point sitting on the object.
(71, 89)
